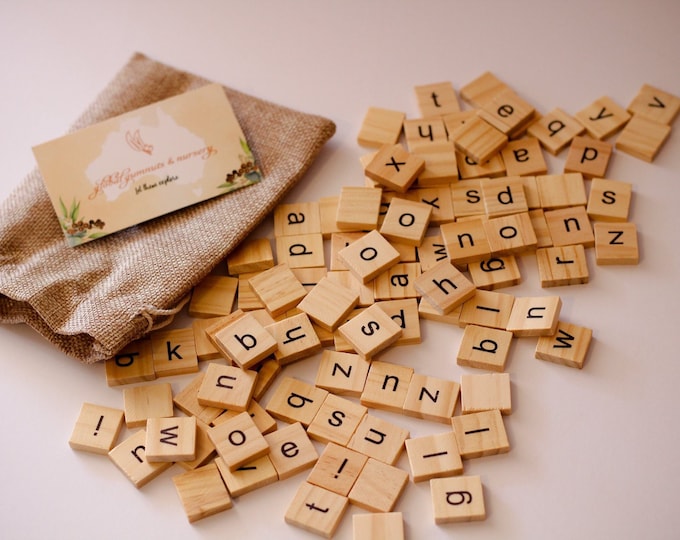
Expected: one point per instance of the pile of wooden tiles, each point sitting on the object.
(433, 233)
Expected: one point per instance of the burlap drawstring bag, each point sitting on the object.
(91, 300)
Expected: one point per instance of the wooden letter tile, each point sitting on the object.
(431, 398)
(337, 469)
(655, 104)
(422, 133)
(147, 401)
(213, 297)
(358, 208)
(238, 441)
(378, 487)
(468, 168)
(174, 352)
(556, 130)
(437, 99)
(278, 289)
(386, 386)
(369, 256)
(383, 526)
(132, 364)
(603, 118)
(444, 287)
(480, 434)
(171, 439)
(466, 241)
(495, 272)
(394, 167)
(296, 401)
(589, 157)
(96, 429)
(316, 510)
(380, 126)
(129, 456)
(291, 450)
(342, 373)
(405, 314)
(534, 316)
(504, 195)
(441, 164)
(466, 197)
(371, 331)
(616, 243)
(379, 439)
(406, 221)
(263, 420)
(297, 219)
(507, 112)
(252, 255)
(296, 338)
(397, 282)
(568, 346)
(202, 492)
(566, 265)
(524, 157)
(609, 200)
(251, 476)
(301, 251)
(508, 235)
(457, 499)
(245, 341)
(227, 387)
(431, 251)
(434, 456)
(485, 392)
(569, 226)
(484, 348)
(488, 308)
(643, 138)
(205, 348)
(205, 449)
(329, 303)
(336, 420)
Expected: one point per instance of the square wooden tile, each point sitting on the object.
(485, 392)
(589, 157)
(245, 341)
(556, 130)
(503, 195)
(301, 251)
(386, 386)
(487, 308)
(507, 112)
(296, 401)
(96, 429)
(213, 297)
(467, 199)
(202, 492)
(369, 256)
(295, 337)
(484, 348)
(565, 265)
(445, 287)
(342, 373)
(171, 439)
(534, 315)
(469, 168)
(186, 401)
(436, 99)
(643, 138)
(291, 450)
(370, 332)
(457, 499)
(358, 208)
(378, 487)
(397, 282)
(336, 420)
(495, 272)
(406, 221)
(434, 456)
(316, 510)
(379, 439)
(252, 255)
(174, 352)
(616, 243)
(609, 200)
(238, 441)
(131, 460)
(480, 434)
(568, 346)
(431, 398)
(329, 303)
(227, 387)
(133, 364)
(251, 476)
(295, 219)
(383, 526)
(466, 241)
(561, 190)
(380, 126)
(278, 289)
(654, 104)
(512, 234)
(603, 118)
(524, 157)
(479, 140)
(147, 401)
(337, 469)
(482, 89)
(424, 132)
(570, 226)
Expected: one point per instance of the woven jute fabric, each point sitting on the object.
(92, 300)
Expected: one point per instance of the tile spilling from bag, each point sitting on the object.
(433, 234)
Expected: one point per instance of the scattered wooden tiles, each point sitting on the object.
(252, 255)
(295, 337)
(253, 475)
(278, 289)
(482, 89)
(507, 112)
(478, 140)
(329, 303)
(130, 458)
